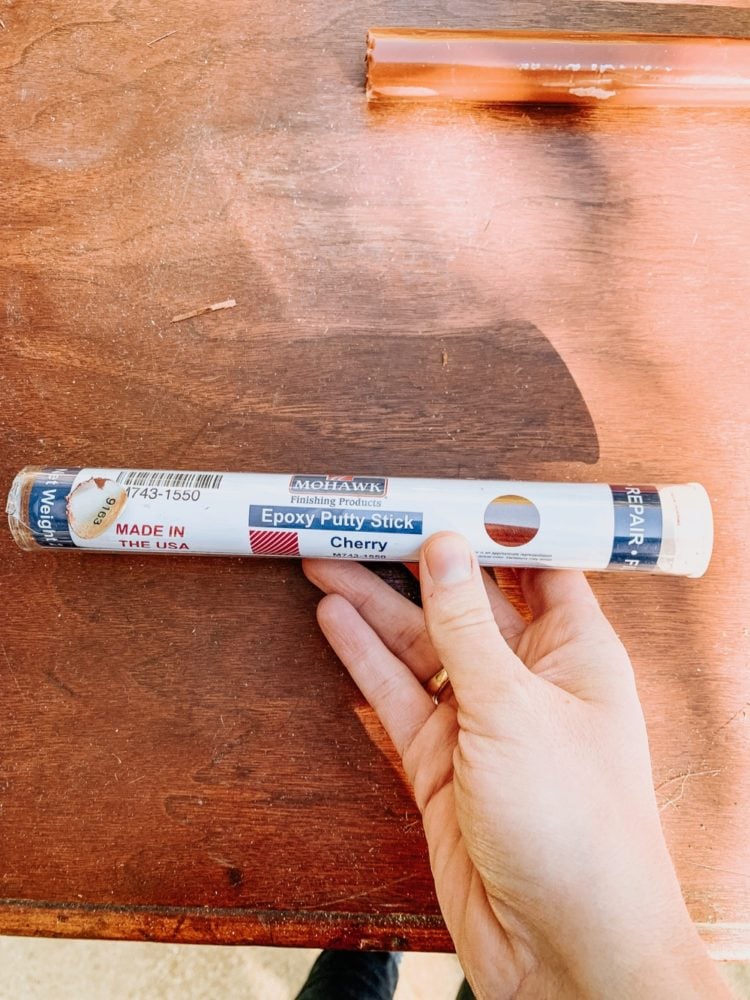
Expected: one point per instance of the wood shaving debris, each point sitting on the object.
(155, 40)
(444, 358)
(227, 304)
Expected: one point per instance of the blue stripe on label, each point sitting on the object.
(387, 522)
(47, 510)
(638, 527)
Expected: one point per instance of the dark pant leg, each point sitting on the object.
(351, 975)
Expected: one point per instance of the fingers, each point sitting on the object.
(548, 588)
(461, 624)
(590, 660)
(398, 622)
(402, 704)
(510, 623)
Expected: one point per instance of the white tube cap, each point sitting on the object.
(687, 530)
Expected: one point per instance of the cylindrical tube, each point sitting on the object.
(661, 529)
(540, 67)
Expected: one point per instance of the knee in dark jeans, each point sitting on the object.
(352, 975)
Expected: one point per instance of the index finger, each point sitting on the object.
(398, 622)
(400, 701)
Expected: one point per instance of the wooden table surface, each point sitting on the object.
(451, 291)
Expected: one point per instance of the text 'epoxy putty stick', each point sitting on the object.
(660, 529)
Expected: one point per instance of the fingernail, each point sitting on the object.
(448, 559)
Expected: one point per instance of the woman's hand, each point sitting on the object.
(533, 777)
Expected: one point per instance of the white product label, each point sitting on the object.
(339, 517)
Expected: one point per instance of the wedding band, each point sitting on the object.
(437, 684)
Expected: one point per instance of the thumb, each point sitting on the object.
(480, 664)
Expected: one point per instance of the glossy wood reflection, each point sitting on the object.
(542, 67)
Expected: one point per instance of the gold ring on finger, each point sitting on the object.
(437, 684)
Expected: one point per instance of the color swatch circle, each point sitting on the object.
(511, 520)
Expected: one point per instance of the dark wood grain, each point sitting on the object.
(182, 756)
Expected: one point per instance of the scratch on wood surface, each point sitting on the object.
(357, 895)
(227, 304)
(162, 37)
(730, 720)
(10, 666)
(443, 358)
(188, 178)
(54, 679)
(682, 777)
(723, 871)
(220, 860)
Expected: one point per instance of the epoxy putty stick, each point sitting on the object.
(660, 529)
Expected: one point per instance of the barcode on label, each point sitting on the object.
(177, 480)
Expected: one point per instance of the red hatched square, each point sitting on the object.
(274, 543)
